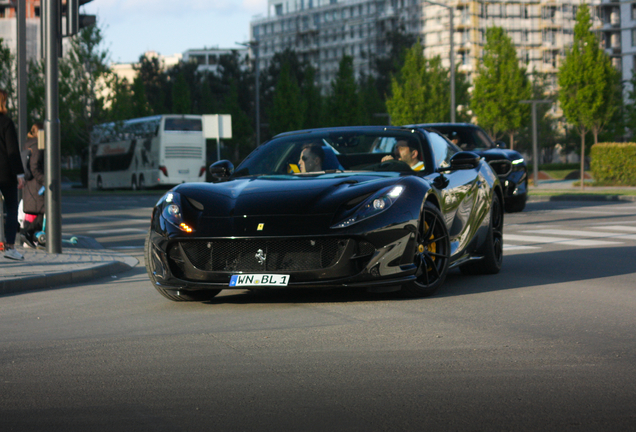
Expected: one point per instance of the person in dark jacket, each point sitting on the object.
(11, 176)
(32, 199)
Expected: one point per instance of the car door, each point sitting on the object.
(459, 191)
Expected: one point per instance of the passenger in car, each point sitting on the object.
(408, 153)
(311, 158)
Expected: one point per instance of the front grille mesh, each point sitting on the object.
(279, 255)
(501, 167)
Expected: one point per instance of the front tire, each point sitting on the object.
(432, 254)
(174, 295)
(492, 248)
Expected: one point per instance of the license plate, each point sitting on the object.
(259, 280)
(184, 171)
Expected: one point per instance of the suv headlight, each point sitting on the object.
(373, 206)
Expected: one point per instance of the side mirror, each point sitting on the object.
(464, 160)
(500, 144)
(221, 170)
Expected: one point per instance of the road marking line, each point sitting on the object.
(117, 231)
(619, 228)
(578, 233)
(561, 240)
(519, 247)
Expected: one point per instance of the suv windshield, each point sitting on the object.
(329, 151)
(466, 138)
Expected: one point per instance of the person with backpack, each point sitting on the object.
(11, 176)
(33, 193)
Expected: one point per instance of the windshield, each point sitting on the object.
(329, 151)
(466, 138)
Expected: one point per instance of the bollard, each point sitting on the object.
(1, 222)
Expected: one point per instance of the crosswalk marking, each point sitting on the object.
(117, 231)
(519, 247)
(619, 228)
(578, 233)
(560, 240)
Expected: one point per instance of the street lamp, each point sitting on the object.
(451, 11)
(254, 46)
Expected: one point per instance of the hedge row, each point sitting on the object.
(614, 163)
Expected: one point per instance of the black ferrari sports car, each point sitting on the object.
(379, 208)
(509, 165)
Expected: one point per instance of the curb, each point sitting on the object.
(32, 283)
(582, 197)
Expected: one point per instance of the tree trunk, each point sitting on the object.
(582, 158)
(512, 140)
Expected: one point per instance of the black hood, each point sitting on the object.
(498, 154)
(283, 195)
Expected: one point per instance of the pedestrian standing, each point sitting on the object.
(33, 192)
(11, 176)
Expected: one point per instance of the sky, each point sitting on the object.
(132, 27)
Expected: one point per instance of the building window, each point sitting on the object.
(634, 37)
(279, 9)
(633, 11)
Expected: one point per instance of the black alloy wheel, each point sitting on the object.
(432, 254)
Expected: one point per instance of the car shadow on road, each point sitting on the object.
(544, 268)
(519, 271)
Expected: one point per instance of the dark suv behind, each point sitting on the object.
(508, 164)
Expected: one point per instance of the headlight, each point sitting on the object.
(373, 206)
(171, 212)
(517, 161)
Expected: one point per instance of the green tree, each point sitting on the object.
(372, 105)
(314, 101)
(343, 103)
(84, 74)
(288, 109)
(385, 67)
(500, 85)
(587, 83)
(7, 74)
(421, 92)
(150, 72)
(181, 101)
(630, 106)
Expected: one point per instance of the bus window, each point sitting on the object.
(183, 125)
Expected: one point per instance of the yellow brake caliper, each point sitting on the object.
(432, 247)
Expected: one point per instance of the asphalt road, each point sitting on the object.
(549, 344)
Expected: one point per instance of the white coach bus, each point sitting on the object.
(148, 151)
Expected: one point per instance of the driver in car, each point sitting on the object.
(408, 154)
(311, 158)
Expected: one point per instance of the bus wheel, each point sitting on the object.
(133, 183)
(142, 184)
(100, 185)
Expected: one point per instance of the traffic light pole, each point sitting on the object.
(53, 194)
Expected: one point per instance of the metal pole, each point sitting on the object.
(451, 11)
(22, 73)
(52, 131)
(535, 145)
(258, 94)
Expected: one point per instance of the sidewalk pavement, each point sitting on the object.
(81, 263)
(88, 260)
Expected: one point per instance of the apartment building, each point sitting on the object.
(9, 27)
(207, 59)
(321, 31)
(617, 32)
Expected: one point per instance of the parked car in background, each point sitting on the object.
(380, 208)
(509, 165)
